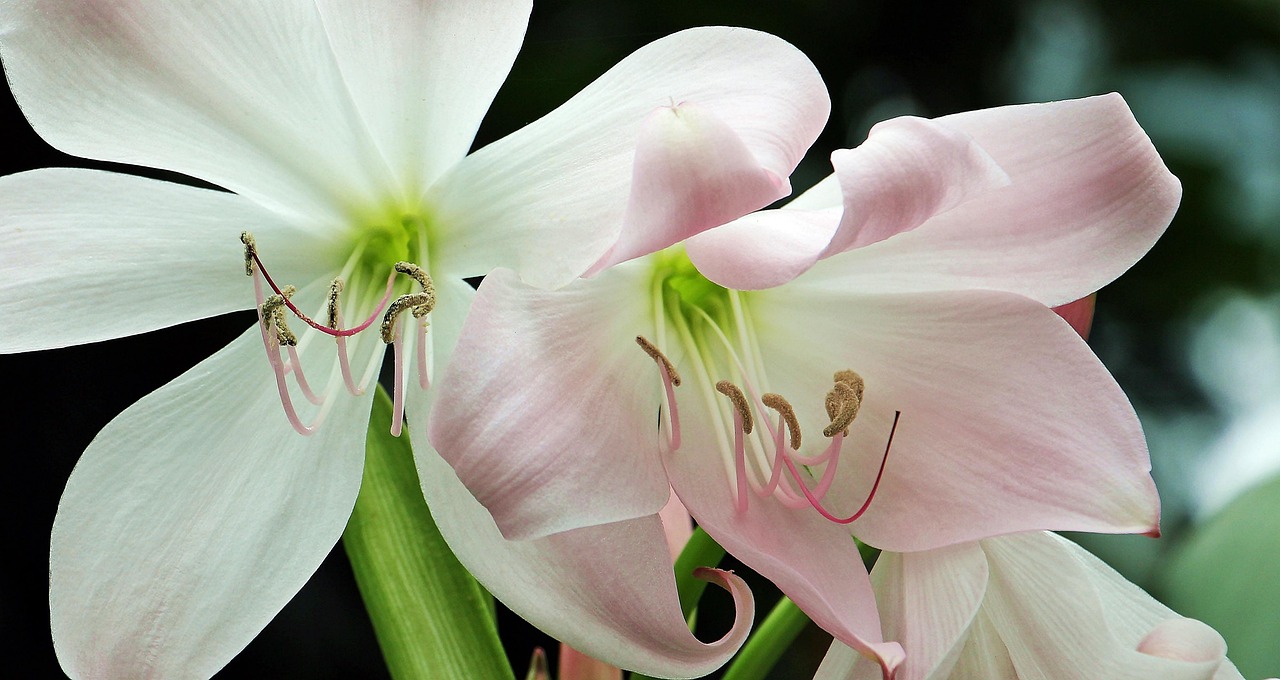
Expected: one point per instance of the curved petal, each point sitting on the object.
(1088, 196)
(907, 171)
(422, 74)
(812, 561)
(691, 172)
(1079, 314)
(193, 517)
(245, 95)
(928, 601)
(1050, 613)
(984, 656)
(764, 249)
(92, 255)
(548, 409)
(1009, 423)
(608, 590)
(550, 199)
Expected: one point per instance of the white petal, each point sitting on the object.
(984, 656)
(194, 517)
(1050, 613)
(422, 74)
(606, 590)
(549, 200)
(92, 255)
(245, 95)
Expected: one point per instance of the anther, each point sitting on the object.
(779, 403)
(273, 315)
(843, 401)
(331, 308)
(250, 252)
(735, 395)
(420, 303)
(657, 355)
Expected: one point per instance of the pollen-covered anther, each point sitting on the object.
(331, 306)
(273, 314)
(843, 402)
(657, 355)
(780, 404)
(419, 304)
(739, 400)
(250, 252)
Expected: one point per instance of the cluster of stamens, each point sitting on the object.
(843, 401)
(274, 311)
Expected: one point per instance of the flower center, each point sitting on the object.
(714, 330)
(379, 282)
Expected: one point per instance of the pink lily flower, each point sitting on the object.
(1025, 606)
(911, 290)
(343, 130)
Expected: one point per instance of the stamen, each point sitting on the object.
(397, 394)
(424, 376)
(844, 400)
(779, 403)
(735, 395)
(250, 252)
(816, 502)
(420, 303)
(741, 427)
(657, 355)
(295, 364)
(273, 314)
(331, 308)
(670, 380)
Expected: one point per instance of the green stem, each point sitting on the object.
(431, 617)
(768, 642)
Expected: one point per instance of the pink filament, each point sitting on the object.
(397, 399)
(296, 366)
(816, 502)
(277, 367)
(424, 376)
(674, 419)
(740, 461)
(344, 362)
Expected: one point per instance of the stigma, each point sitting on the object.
(282, 344)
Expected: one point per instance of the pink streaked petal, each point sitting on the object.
(764, 249)
(1079, 314)
(422, 75)
(813, 561)
(907, 171)
(574, 665)
(194, 516)
(245, 95)
(118, 255)
(928, 602)
(607, 590)
(1009, 422)
(677, 524)
(548, 409)
(1088, 196)
(691, 172)
(550, 199)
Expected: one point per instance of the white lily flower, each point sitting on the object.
(342, 128)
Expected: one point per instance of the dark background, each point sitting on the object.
(1202, 77)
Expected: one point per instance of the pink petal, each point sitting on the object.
(928, 602)
(1079, 314)
(677, 524)
(1088, 196)
(692, 172)
(1009, 422)
(814, 562)
(548, 409)
(606, 590)
(907, 171)
(552, 198)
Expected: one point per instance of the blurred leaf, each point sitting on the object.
(431, 617)
(1226, 575)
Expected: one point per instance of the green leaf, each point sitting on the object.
(768, 642)
(431, 617)
(1225, 575)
